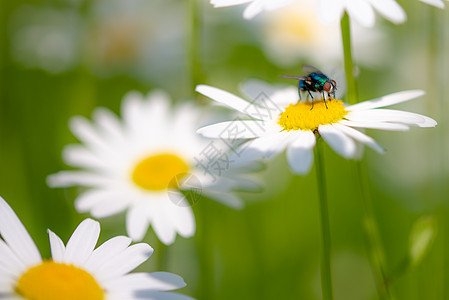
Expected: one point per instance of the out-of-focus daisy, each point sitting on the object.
(46, 38)
(294, 34)
(254, 7)
(124, 37)
(278, 121)
(436, 3)
(362, 11)
(77, 270)
(140, 165)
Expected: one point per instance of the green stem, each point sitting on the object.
(203, 240)
(326, 276)
(376, 251)
(162, 257)
(438, 90)
(194, 45)
(349, 66)
(206, 282)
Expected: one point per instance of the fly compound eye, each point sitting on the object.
(327, 86)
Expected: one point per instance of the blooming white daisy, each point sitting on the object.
(141, 164)
(278, 121)
(363, 11)
(436, 3)
(77, 270)
(293, 34)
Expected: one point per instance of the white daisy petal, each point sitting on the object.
(16, 236)
(394, 116)
(9, 262)
(263, 147)
(387, 100)
(7, 297)
(108, 207)
(436, 3)
(362, 12)
(57, 247)
(227, 199)
(86, 133)
(181, 216)
(329, 11)
(164, 229)
(276, 97)
(338, 141)
(375, 125)
(91, 198)
(125, 261)
(246, 184)
(253, 9)
(238, 129)
(131, 108)
(300, 152)
(156, 281)
(160, 295)
(71, 178)
(80, 156)
(360, 137)
(138, 219)
(227, 99)
(154, 112)
(110, 125)
(225, 3)
(7, 283)
(105, 252)
(254, 89)
(82, 242)
(271, 5)
(390, 9)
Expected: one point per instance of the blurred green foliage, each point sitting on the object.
(269, 250)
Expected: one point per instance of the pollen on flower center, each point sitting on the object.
(159, 172)
(56, 281)
(301, 116)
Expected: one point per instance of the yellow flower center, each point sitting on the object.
(56, 281)
(160, 172)
(301, 116)
(292, 29)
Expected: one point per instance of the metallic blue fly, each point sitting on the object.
(314, 81)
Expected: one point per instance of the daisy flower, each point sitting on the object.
(278, 121)
(141, 163)
(436, 3)
(363, 11)
(293, 34)
(77, 270)
(47, 38)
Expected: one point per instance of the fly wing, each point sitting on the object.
(293, 77)
(307, 69)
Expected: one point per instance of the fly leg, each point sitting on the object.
(324, 99)
(312, 98)
(299, 90)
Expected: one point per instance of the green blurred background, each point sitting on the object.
(60, 58)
